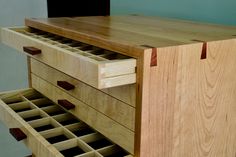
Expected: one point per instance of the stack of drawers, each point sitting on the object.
(112, 87)
(110, 111)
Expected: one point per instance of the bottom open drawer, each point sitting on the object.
(50, 131)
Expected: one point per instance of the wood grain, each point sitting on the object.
(34, 140)
(112, 39)
(31, 50)
(95, 73)
(111, 107)
(102, 123)
(122, 32)
(185, 92)
(17, 134)
(89, 95)
(191, 108)
(39, 142)
(166, 28)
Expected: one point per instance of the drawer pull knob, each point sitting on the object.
(17, 134)
(65, 85)
(30, 155)
(31, 50)
(66, 104)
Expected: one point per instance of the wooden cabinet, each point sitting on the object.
(124, 86)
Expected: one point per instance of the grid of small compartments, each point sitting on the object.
(70, 136)
(92, 52)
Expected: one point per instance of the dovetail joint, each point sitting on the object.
(204, 51)
(154, 57)
(204, 48)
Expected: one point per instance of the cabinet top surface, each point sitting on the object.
(133, 31)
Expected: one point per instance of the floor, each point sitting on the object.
(9, 147)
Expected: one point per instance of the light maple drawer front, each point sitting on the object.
(50, 131)
(110, 128)
(95, 66)
(115, 109)
(82, 91)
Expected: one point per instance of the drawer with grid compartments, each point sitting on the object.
(49, 131)
(111, 121)
(95, 66)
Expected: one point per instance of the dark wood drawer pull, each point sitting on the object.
(66, 104)
(30, 155)
(31, 50)
(65, 85)
(17, 134)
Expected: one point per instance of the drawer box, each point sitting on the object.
(95, 66)
(50, 136)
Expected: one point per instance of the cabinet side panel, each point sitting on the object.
(191, 110)
(157, 108)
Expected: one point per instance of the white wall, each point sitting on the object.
(13, 67)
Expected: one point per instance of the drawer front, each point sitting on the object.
(110, 128)
(81, 90)
(108, 105)
(51, 131)
(94, 66)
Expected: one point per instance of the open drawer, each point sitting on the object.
(95, 66)
(49, 131)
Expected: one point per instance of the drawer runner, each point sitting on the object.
(61, 133)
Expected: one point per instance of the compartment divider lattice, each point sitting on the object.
(95, 53)
(72, 139)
